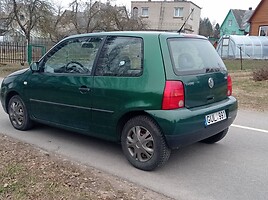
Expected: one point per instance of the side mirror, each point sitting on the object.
(34, 67)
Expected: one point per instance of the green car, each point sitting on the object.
(150, 91)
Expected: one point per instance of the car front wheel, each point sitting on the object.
(18, 114)
(144, 144)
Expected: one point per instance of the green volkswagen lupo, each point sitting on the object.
(151, 91)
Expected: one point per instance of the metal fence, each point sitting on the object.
(19, 52)
(13, 52)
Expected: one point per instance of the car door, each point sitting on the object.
(117, 82)
(60, 93)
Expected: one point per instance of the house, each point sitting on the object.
(168, 15)
(259, 20)
(236, 22)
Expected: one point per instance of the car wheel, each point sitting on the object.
(216, 138)
(18, 114)
(143, 143)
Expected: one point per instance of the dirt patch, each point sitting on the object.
(8, 68)
(251, 95)
(30, 173)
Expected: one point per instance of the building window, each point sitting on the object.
(230, 22)
(263, 31)
(144, 12)
(135, 13)
(178, 12)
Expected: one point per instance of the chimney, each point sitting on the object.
(250, 8)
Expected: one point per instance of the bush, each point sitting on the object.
(260, 74)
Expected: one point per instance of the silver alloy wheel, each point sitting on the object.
(140, 143)
(16, 113)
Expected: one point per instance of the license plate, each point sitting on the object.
(215, 117)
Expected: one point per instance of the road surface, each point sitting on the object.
(234, 169)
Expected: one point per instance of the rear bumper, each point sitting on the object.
(186, 126)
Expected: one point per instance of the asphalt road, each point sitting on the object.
(234, 169)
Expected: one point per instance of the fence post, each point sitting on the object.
(240, 48)
(29, 53)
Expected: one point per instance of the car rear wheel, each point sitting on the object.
(18, 114)
(143, 143)
(216, 138)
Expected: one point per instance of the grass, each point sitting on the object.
(29, 173)
(247, 65)
(8, 68)
(251, 95)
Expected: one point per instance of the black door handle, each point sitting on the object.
(84, 89)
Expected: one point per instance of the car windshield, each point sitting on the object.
(191, 55)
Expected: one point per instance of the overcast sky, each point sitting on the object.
(215, 10)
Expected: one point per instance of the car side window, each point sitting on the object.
(121, 56)
(72, 56)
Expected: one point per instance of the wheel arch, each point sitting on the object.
(127, 116)
(8, 97)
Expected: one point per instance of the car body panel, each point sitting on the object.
(57, 99)
(196, 82)
(185, 126)
(113, 97)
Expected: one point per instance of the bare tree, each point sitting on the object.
(118, 19)
(54, 25)
(82, 17)
(29, 14)
(205, 27)
(89, 17)
(5, 19)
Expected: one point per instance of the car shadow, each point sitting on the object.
(63, 142)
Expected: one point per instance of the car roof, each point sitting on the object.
(138, 34)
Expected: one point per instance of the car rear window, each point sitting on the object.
(192, 56)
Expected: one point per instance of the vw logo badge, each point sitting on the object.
(211, 82)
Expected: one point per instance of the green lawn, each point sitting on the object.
(235, 65)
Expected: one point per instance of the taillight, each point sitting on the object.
(229, 86)
(173, 95)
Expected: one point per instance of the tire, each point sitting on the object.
(216, 138)
(144, 144)
(18, 114)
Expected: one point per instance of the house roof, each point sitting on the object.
(256, 10)
(238, 14)
(242, 17)
(247, 15)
